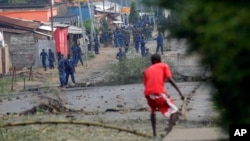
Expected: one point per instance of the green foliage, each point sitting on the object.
(134, 16)
(219, 31)
(5, 85)
(89, 57)
(104, 24)
(128, 71)
(87, 25)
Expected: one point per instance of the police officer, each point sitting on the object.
(89, 42)
(142, 46)
(137, 42)
(59, 56)
(116, 38)
(79, 55)
(51, 59)
(121, 56)
(96, 45)
(69, 70)
(74, 53)
(159, 41)
(43, 57)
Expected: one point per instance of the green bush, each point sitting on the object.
(87, 25)
(128, 71)
(5, 85)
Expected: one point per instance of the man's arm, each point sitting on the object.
(172, 82)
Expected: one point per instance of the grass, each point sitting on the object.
(128, 71)
(66, 132)
(6, 83)
(90, 56)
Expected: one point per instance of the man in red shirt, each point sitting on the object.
(157, 97)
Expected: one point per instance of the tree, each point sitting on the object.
(133, 17)
(104, 26)
(87, 25)
(219, 31)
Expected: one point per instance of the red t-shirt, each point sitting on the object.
(155, 77)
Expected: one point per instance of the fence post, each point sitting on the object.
(13, 78)
(14, 73)
(31, 73)
(24, 86)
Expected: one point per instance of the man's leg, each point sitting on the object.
(153, 122)
(157, 49)
(81, 60)
(66, 78)
(50, 64)
(173, 116)
(45, 65)
(172, 122)
(72, 77)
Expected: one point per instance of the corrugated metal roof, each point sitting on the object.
(46, 27)
(60, 25)
(71, 29)
(13, 30)
(18, 23)
(75, 30)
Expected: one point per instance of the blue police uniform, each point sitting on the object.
(51, 59)
(159, 40)
(137, 42)
(74, 54)
(121, 39)
(61, 69)
(121, 56)
(142, 46)
(69, 70)
(44, 56)
(116, 38)
(96, 45)
(79, 55)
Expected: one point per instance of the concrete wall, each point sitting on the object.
(43, 44)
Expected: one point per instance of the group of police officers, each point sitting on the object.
(141, 31)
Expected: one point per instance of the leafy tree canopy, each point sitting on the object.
(134, 16)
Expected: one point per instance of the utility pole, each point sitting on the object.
(83, 32)
(115, 6)
(91, 28)
(51, 19)
(92, 17)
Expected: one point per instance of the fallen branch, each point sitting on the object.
(77, 123)
(126, 110)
